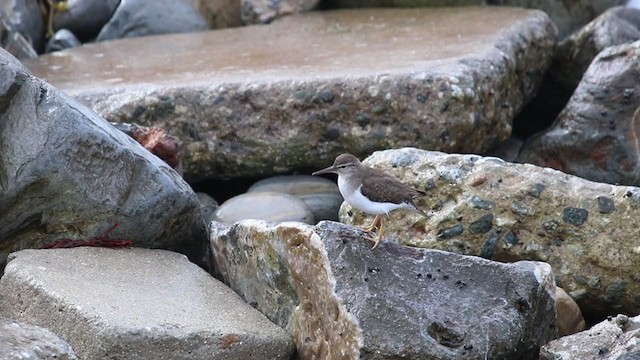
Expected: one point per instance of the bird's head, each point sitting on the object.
(343, 165)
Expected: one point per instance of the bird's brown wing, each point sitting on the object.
(380, 187)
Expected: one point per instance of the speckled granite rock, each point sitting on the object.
(19, 341)
(596, 135)
(300, 92)
(136, 304)
(614, 339)
(340, 300)
(506, 212)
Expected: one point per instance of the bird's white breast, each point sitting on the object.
(353, 196)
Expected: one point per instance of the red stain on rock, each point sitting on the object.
(228, 341)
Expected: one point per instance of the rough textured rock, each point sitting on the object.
(135, 18)
(596, 135)
(136, 303)
(264, 11)
(320, 195)
(301, 93)
(507, 212)
(29, 342)
(67, 173)
(272, 206)
(14, 43)
(339, 299)
(614, 339)
(567, 15)
(616, 26)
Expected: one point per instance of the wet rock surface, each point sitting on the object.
(595, 136)
(507, 212)
(339, 299)
(613, 339)
(136, 303)
(23, 341)
(65, 173)
(281, 103)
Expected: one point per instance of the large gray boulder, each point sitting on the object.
(341, 300)
(136, 304)
(260, 100)
(66, 173)
(507, 212)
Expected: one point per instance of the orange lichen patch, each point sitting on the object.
(228, 341)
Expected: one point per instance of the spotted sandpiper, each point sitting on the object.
(371, 191)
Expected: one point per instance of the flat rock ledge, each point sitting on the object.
(507, 212)
(341, 300)
(135, 304)
(259, 100)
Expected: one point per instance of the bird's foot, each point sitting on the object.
(374, 225)
(376, 240)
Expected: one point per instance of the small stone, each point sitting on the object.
(489, 246)
(569, 318)
(24, 341)
(448, 233)
(482, 225)
(320, 195)
(271, 206)
(62, 39)
(480, 203)
(606, 205)
(575, 216)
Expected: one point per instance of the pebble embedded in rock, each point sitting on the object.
(575, 216)
(320, 195)
(270, 206)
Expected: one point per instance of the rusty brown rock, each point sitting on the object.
(596, 135)
(255, 101)
(506, 212)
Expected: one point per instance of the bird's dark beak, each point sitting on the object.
(329, 170)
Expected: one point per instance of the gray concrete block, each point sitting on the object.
(135, 304)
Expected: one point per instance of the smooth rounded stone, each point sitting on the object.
(85, 18)
(319, 194)
(24, 17)
(596, 135)
(294, 185)
(20, 341)
(271, 206)
(614, 339)
(569, 318)
(66, 173)
(134, 18)
(301, 92)
(208, 206)
(62, 39)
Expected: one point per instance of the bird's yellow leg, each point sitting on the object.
(374, 224)
(377, 239)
